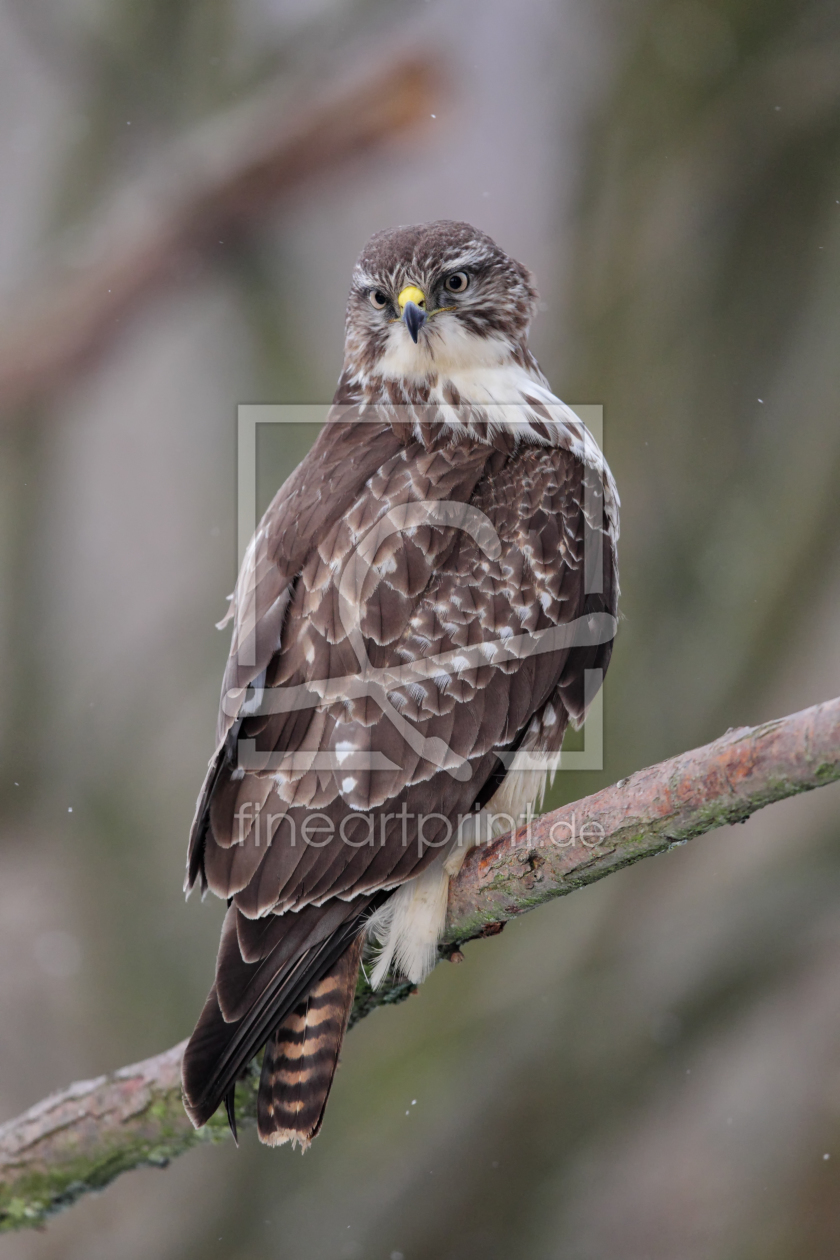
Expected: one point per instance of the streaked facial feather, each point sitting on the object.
(486, 324)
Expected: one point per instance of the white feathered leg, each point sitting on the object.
(409, 926)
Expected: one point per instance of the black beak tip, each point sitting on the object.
(414, 318)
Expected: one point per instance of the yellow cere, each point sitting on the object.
(412, 294)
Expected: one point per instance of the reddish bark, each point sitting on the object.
(82, 1138)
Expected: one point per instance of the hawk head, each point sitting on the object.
(435, 298)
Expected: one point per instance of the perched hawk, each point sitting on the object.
(413, 626)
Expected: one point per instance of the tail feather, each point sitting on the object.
(230, 1111)
(302, 1054)
(271, 989)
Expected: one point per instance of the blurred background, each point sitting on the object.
(650, 1068)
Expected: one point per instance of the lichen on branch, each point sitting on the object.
(84, 1137)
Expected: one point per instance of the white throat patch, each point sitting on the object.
(497, 392)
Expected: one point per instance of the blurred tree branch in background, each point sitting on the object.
(220, 180)
(80, 1139)
(705, 305)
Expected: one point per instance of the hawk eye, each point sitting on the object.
(457, 282)
(378, 299)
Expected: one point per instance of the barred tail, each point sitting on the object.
(302, 1054)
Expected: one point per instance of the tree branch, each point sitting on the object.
(216, 182)
(82, 1138)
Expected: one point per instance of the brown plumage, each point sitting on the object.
(422, 601)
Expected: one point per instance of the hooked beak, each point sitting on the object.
(414, 318)
(412, 303)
